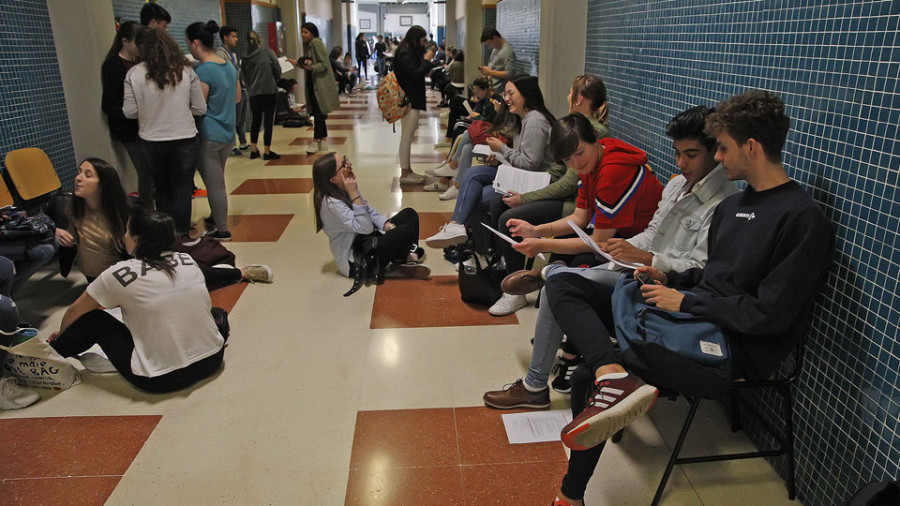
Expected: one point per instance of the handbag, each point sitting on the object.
(684, 334)
(365, 269)
(480, 130)
(32, 229)
(206, 251)
(479, 285)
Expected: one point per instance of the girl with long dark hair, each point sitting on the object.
(121, 57)
(321, 93)
(169, 339)
(362, 54)
(261, 71)
(411, 64)
(163, 92)
(222, 90)
(345, 216)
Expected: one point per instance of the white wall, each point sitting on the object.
(419, 14)
(370, 13)
(563, 40)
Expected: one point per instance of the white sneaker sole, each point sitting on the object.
(606, 423)
(506, 311)
(444, 171)
(446, 242)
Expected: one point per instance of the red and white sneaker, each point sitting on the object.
(560, 502)
(618, 399)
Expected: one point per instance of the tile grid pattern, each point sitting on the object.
(489, 20)
(519, 21)
(183, 12)
(31, 87)
(835, 64)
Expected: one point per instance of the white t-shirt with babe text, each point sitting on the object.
(169, 320)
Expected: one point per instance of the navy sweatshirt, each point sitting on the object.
(768, 252)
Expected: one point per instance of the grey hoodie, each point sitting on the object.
(261, 72)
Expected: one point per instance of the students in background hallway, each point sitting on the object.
(154, 16)
(342, 74)
(501, 65)
(220, 84)
(228, 52)
(169, 340)
(321, 93)
(380, 63)
(362, 54)
(121, 57)
(411, 64)
(261, 70)
(163, 93)
(345, 216)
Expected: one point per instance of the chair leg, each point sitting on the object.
(734, 411)
(789, 439)
(695, 403)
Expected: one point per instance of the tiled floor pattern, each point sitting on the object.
(68, 460)
(447, 456)
(408, 358)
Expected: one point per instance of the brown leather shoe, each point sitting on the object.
(522, 282)
(515, 395)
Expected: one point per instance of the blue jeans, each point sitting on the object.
(474, 189)
(35, 258)
(547, 333)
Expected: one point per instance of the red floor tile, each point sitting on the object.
(422, 486)
(404, 438)
(528, 483)
(430, 223)
(482, 440)
(415, 303)
(274, 186)
(294, 159)
(305, 141)
(71, 446)
(226, 298)
(81, 490)
(258, 227)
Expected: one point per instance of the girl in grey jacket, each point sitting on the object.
(261, 71)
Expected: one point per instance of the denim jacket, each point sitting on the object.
(677, 234)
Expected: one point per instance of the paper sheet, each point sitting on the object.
(286, 66)
(468, 107)
(508, 238)
(511, 179)
(596, 248)
(537, 427)
(483, 150)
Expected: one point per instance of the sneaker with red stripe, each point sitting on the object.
(618, 399)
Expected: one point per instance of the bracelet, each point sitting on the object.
(357, 197)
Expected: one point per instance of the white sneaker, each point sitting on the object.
(313, 148)
(12, 396)
(444, 171)
(450, 234)
(436, 186)
(442, 144)
(507, 305)
(323, 146)
(451, 193)
(412, 178)
(431, 172)
(96, 363)
(258, 273)
(414, 270)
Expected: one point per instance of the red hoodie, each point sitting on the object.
(621, 192)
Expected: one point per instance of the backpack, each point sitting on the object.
(391, 99)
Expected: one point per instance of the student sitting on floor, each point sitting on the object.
(346, 217)
(675, 239)
(169, 339)
(94, 222)
(769, 247)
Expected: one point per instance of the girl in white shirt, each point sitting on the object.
(169, 339)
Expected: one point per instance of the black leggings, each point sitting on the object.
(400, 241)
(218, 277)
(361, 64)
(320, 131)
(262, 105)
(581, 462)
(98, 327)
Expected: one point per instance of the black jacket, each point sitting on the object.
(411, 71)
(362, 50)
(112, 77)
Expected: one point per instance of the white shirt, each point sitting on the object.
(163, 114)
(169, 320)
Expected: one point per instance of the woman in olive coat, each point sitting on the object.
(321, 92)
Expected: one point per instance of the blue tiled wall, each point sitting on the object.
(183, 12)
(519, 21)
(836, 65)
(489, 20)
(32, 105)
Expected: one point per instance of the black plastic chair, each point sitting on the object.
(785, 436)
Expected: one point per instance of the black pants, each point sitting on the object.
(262, 106)
(361, 65)
(457, 111)
(581, 462)
(320, 131)
(98, 327)
(219, 277)
(173, 164)
(400, 241)
(536, 213)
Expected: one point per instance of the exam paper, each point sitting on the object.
(537, 427)
(507, 238)
(511, 179)
(286, 66)
(596, 248)
(484, 150)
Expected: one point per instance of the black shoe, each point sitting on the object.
(254, 154)
(451, 254)
(236, 152)
(220, 316)
(220, 236)
(271, 155)
(563, 369)
(209, 222)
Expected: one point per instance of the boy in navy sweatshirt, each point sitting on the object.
(769, 247)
